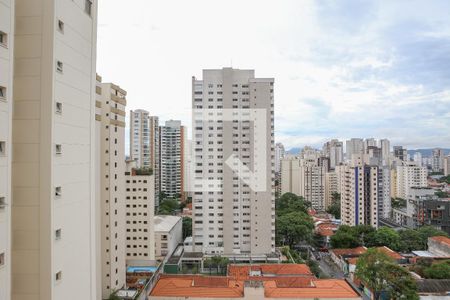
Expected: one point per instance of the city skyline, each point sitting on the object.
(342, 72)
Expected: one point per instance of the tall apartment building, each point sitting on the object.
(400, 153)
(145, 144)
(437, 160)
(111, 103)
(447, 165)
(6, 101)
(334, 150)
(417, 158)
(359, 194)
(354, 147)
(331, 187)
(385, 146)
(140, 198)
(279, 155)
(173, 137)
(233, 126)
(53, 168)
(369, 142)
(410, 175)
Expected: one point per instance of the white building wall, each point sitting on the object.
(447, 165)
(168, 234)
(409, 175)
(6, 104)
(54, 152)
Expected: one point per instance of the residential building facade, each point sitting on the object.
(139, 200)
(334, 150)
(7, 18)
(172, 158)
(354, 146)
(168, 234)
(233, 128)
(447, 165)
(112, 103)
(409, 175)
(437, 160)
(53, 169)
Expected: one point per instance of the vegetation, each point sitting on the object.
(187, 227)
(380, 274)
(442, 194)
(445, 179)
(335, 207)
(293, 224)
(217, 262)
(168, 207)
(403, 241)
(113, 296)
(398, 202)
(144, 171)
(438, 270)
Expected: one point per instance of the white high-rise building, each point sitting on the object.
(53, 168)
(360, 191)
(437, 162)
(140, 235)
(173, 137)
(331, 187)
(417, 158)
(111, 103)
(233, 209)
(354, 147)
(385, 146)
(370, 142)
(6, 104)
(409, 175)
(279, 155)
(145, 144)
(334, 150)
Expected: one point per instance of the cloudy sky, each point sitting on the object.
(342, 68)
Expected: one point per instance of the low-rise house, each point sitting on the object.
(254, 282)
(168, 234)
(340, 256)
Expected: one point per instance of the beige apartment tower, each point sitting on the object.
(53, 169)
(233, 209)
(140, 208)
(6, 104)
(111, 103)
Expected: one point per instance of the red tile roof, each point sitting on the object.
(390, 253)
(321, 288)
(242, 272)
(326, 229)
(351, 251)
(195, 286)
(441, 239)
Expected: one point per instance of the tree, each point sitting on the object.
(168, 207)
(335, 207)
(428, 231)
(187, 227)
(343, 239)
(385, 236)
(410, 240)
(289, 202)
(438, 270)
(379, 273)
(294, 227)
(442, 194)
(398, 202)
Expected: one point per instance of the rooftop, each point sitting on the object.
(258, 272)
(349, 252)
(390, 253)
(326, 229)
(441, 239)
(165, 223)
(196, 286)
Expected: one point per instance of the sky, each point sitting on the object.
(342, 69)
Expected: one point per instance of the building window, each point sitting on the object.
(58, 191)
(58, 149)
(2, 259)
(61, 26)
(2, 202)
(2, 93)
(2, 148)
(59, 66)
(58, 234)
(3, 39)
(58, 108)
(88, 7)
(58, 276)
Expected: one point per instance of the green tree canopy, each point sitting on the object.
(294, 227)
(438, 270)
(289, 202)
(168, 207)
(187, 227)
(335, 207)
(385, 236)
(410, 240)
(379, 273)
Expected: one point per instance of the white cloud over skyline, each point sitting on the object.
(342, 69)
